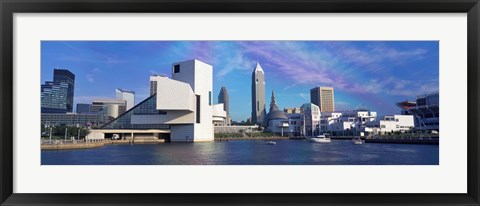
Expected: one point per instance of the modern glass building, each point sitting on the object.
(83, 108)
(65, 76)
(146, 107)
(54, 97)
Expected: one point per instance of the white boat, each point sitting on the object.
(357, 141)
(320, 139)
(271, 143)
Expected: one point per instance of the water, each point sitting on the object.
(248, 152)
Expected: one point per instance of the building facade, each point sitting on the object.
(65, 76)
(83, 108)
(392, 123)
(426, 111)
(69, 119)
(323, 97)
(153, 83)
(258, 95)
(224, 99)
(180, 111)
(108, 109)
(54, 97)
(127, 95)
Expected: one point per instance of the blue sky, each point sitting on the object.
(373, 74)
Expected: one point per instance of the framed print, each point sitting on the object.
(265, 102)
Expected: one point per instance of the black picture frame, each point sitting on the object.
(10, 7)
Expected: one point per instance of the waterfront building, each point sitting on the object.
(83, 108)
(425, 110)
(392, 123)
(69, 119)
(108, 109)
(54, 97)
(258, 95)
(180, 111)
(347, 122)
(65, 76)
(223, 98)
(323, 97)
(311, 119)
(236, 129)
(219, 117)
(276, 120)
(128, 96)
(153, 83)
(295, 110)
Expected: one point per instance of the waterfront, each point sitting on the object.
(248, 152)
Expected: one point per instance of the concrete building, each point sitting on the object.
(311, 119)
(180, 111)
(236, 129)
(54, 97)
(69, 119)
(295, 110)
(128, 96)
(276, 120)
(323, 97)
(219, 117)
(65, 76)
(83, 108)
(425, 110)
(224, 99)
(392, 123)
(347, 122)
(258, 95)
(108, 109)
(153, 83)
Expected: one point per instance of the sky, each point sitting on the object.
(367, 74)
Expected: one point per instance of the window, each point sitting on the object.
(198, 109)
(383, 126)
(210, 98)
(176, 68)
(396, 120)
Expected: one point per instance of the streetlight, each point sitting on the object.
(66, 129)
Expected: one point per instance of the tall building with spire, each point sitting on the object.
(273, 103)
(258, 95)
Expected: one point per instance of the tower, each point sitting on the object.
(65, 76)
(273, 103)
(258, 95)
(323, 97)
(223, 98)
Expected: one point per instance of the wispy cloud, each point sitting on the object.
(92, 74)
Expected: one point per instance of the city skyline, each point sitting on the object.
(373, 74)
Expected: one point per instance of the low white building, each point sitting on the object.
(392, 123)
(219, 115)
(346, 122)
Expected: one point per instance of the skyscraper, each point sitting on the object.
(223, 98)
(258, 95)
(323, 97)
(126, 95)
(65, 76)
(54, 97)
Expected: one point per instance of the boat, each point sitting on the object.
(271, 143)
(320, 139)
(357, 141)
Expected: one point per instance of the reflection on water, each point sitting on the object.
(248, 152)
